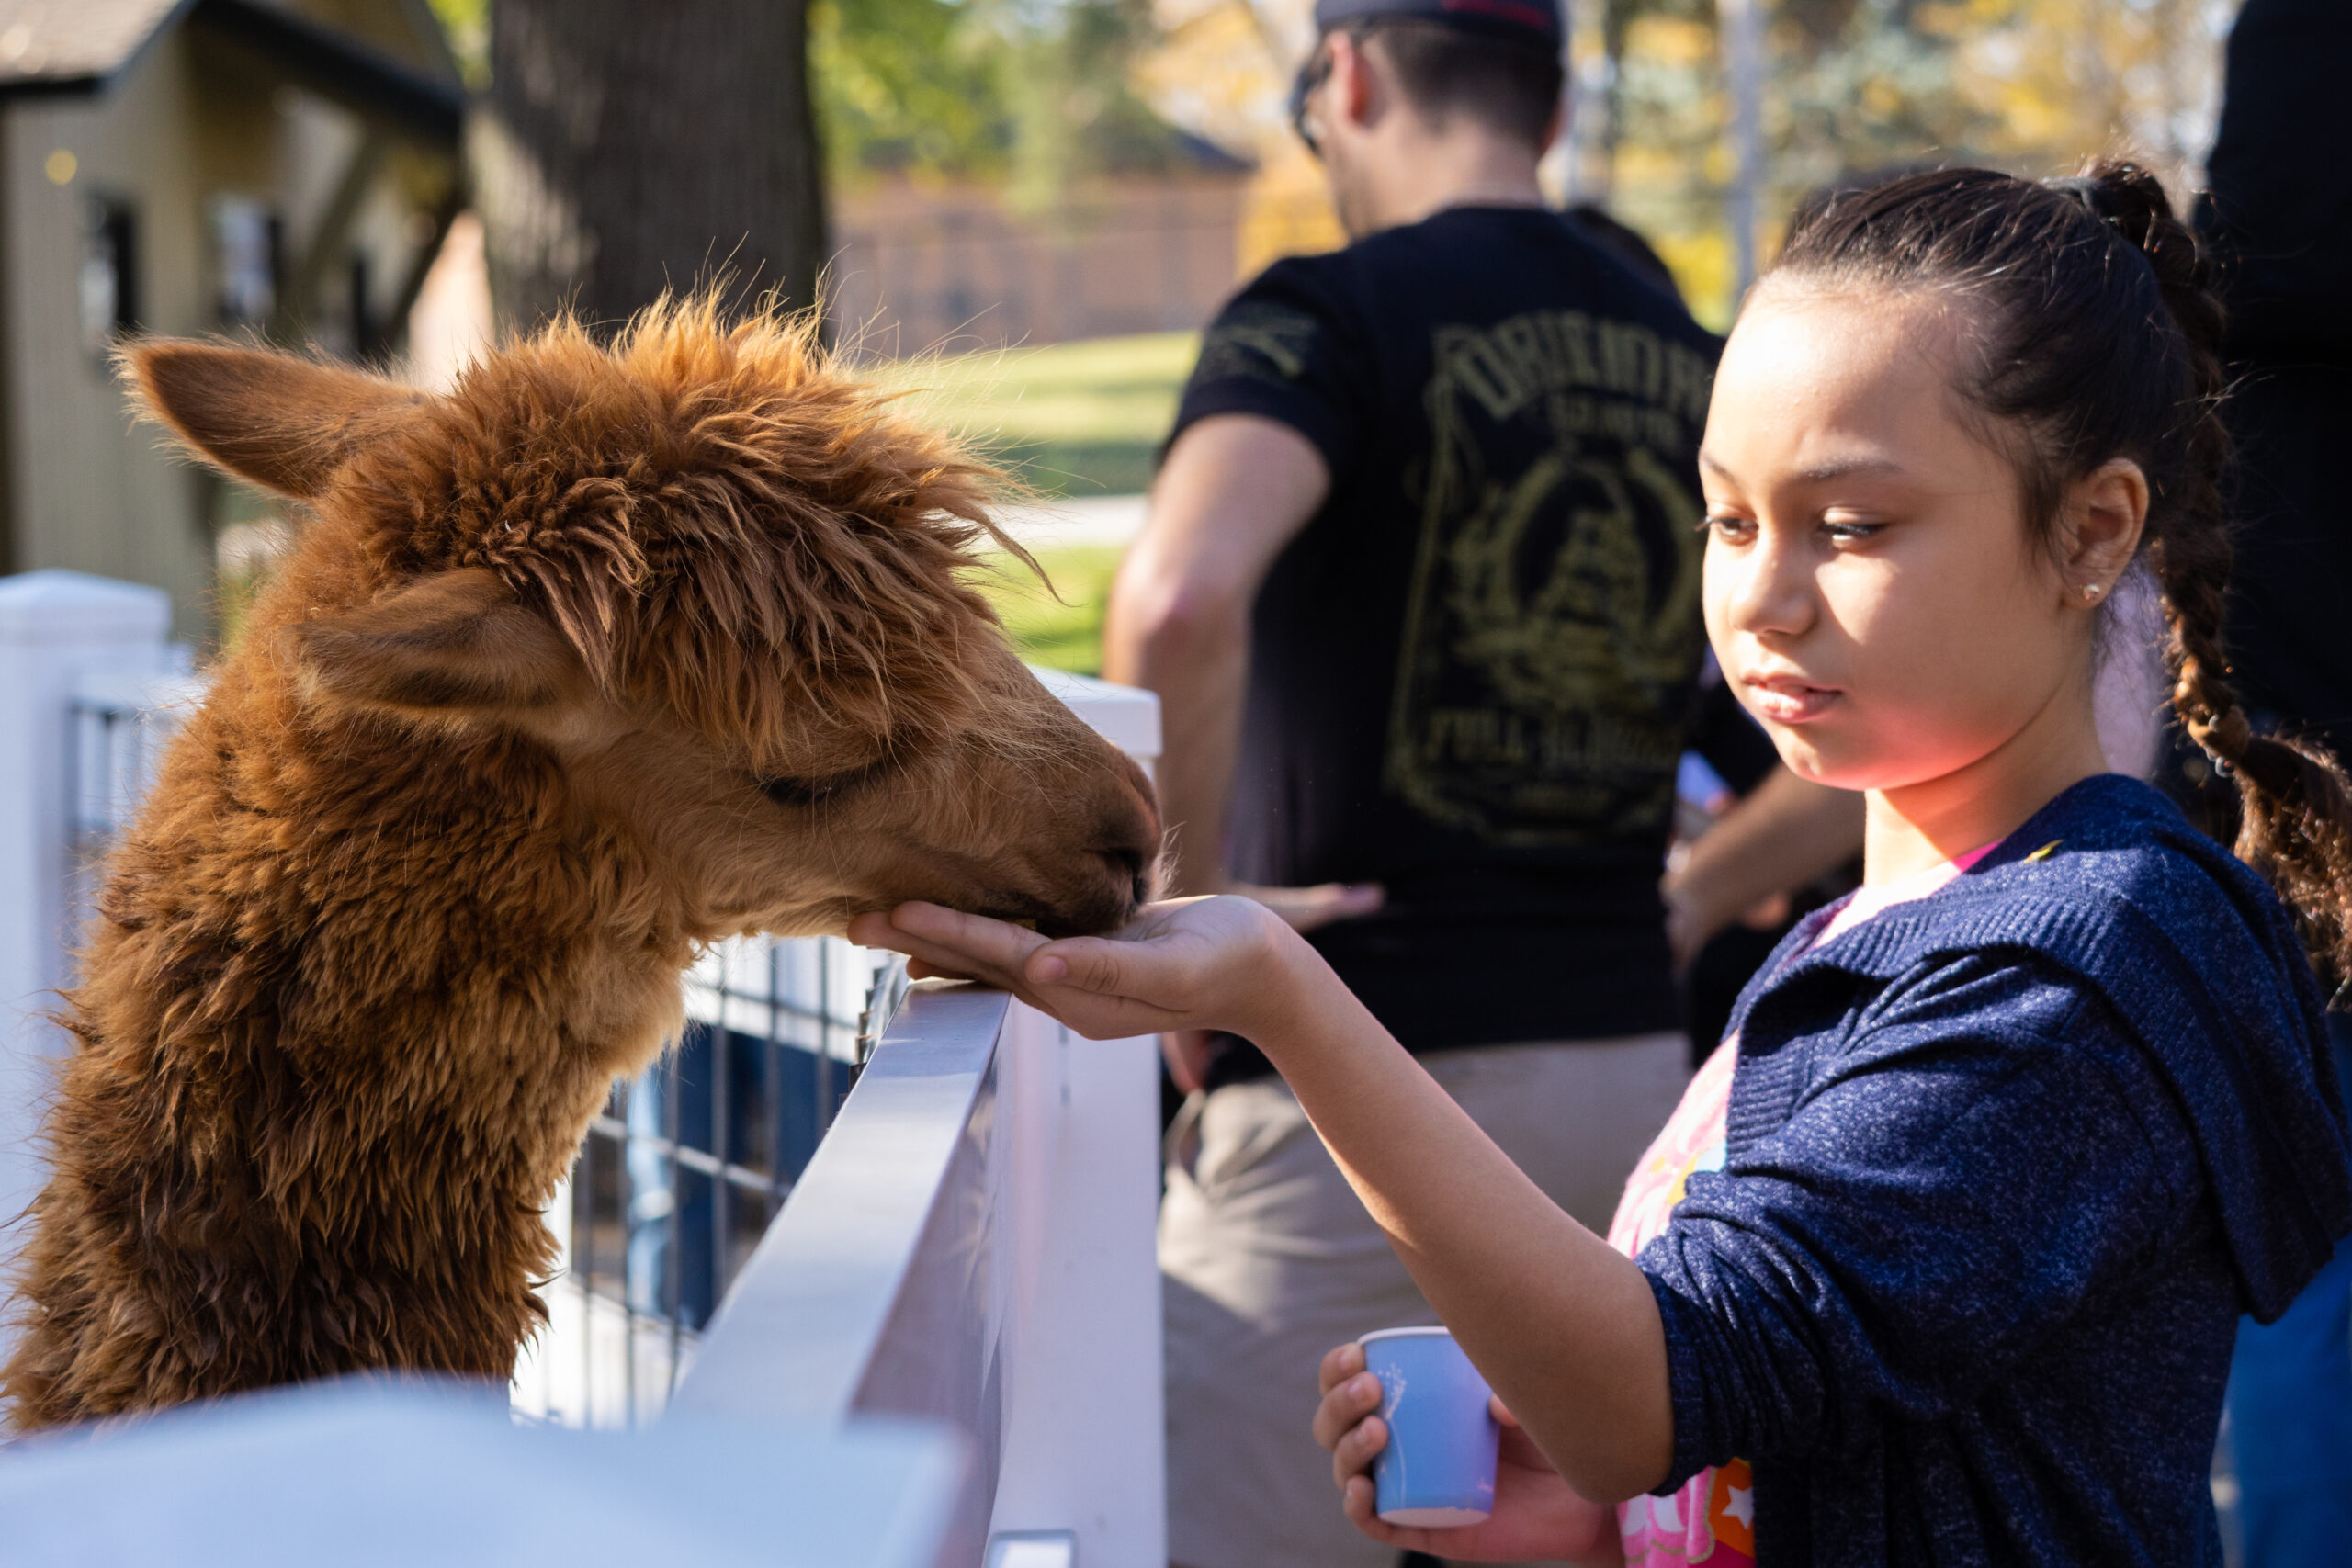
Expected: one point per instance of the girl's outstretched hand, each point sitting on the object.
(1537, 1514)
(1187, 964)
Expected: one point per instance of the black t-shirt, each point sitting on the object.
(2279, 206)
(2280, 214)
(1472, 673)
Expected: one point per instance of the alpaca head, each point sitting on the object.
(720, 581)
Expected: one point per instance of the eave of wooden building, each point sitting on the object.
(82, 46)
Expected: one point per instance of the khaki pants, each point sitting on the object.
(1267, 1260)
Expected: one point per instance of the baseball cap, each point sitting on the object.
(1530, 21)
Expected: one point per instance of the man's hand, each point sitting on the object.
(1188, 963)
(1536, 1513)
(1783, 834)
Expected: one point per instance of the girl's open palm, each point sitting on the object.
(1186, 963)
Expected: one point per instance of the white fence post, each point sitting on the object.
(1084, 1429)
(1084, 1432)
(56, 627)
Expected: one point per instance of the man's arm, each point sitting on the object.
(1781, 835)
(1236, 489)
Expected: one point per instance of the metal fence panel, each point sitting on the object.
(683, 1170)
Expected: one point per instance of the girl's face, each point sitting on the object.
(1870, 591)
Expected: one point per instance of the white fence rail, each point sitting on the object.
(973, 1244)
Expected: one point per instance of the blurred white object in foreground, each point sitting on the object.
(370, 1476)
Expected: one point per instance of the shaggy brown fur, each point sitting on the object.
(607, 653)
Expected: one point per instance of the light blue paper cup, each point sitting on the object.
(1438, 1470)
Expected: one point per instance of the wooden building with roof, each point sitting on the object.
(276, 168)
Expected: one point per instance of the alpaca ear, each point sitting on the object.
(281, 423)
(454, 642)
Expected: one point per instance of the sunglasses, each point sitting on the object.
(1311, 75)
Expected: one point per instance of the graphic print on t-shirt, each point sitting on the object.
(1257, 339)
(1551, 617)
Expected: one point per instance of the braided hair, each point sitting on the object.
(2098, 337)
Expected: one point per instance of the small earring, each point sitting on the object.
(2090, 590)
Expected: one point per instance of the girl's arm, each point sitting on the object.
(1565, 1330)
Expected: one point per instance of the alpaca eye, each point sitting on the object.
(789, 790)
(801, 792)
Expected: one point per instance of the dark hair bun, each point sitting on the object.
(2132, 200)
(2124, 194)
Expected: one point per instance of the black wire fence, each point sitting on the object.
(683, 1170)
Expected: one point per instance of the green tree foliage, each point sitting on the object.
(914, 84)
(1034, 95)
(467, 25)
(1855, 85)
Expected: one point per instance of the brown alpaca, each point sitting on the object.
(609, 652)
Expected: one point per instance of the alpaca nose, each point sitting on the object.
(1132, 840)
(1130, 864)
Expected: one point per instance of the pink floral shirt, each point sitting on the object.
(1712, 1519)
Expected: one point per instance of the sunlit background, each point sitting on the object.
(1080, 136)
(1027, 208)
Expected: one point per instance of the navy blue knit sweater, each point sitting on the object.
(2003, 1166)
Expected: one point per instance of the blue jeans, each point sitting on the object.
(2290, 1412)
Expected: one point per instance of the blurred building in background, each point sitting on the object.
(921, 266)
(196, 166)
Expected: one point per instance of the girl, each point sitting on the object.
(1948, 1267)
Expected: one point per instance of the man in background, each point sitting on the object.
(1420, 595)
(2279, 213)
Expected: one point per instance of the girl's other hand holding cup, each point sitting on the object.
(1537, 1515)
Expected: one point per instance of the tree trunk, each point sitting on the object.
(627, 148)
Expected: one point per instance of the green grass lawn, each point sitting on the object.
(1071, 419)
(1064, 632)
